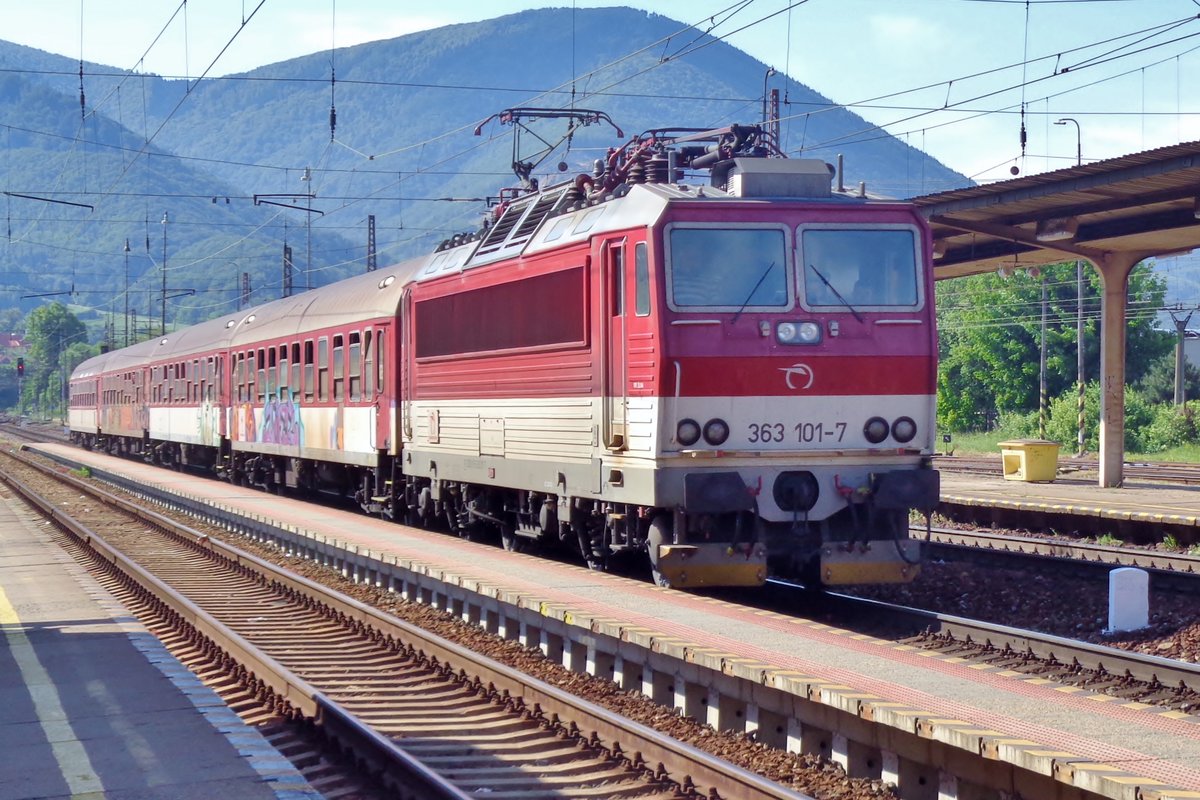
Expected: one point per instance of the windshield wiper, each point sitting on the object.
(746, 302)
(836, 293)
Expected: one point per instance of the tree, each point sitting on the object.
(1158, 384)
(990, 338)
(50, 332)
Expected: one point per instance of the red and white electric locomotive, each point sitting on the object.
(735, 377)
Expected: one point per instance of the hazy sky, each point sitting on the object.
(1131, 62)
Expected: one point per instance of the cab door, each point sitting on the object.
(614, 342)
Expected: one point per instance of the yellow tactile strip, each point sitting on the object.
(1025, 504)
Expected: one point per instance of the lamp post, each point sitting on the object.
(1079, 445)
(164, 275)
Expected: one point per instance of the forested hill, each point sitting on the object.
(402, 150)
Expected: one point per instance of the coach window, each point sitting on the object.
(339, 369)
(380, 370)
(284, 372)
(368, 365)
(272, 383)
(251, 374)
(197, 380)
(261, 384)
(294, 383)
(309, 381)
(323, 369)
(354, 367)
(239, 377)
(641, 280)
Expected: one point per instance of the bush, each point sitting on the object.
(1149, 427)
(1170, 426)
(1017, 425)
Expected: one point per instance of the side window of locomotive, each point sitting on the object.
(860, 267)
(728, 268)
(618, 280)
(641, 280)
(354, 367)
(323, 369)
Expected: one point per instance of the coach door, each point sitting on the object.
(403, 362)
(614, 400)
(375, 377)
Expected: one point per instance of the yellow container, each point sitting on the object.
(1029, 460)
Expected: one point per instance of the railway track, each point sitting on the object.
(1129, 675)
(1180, 571)
(432, 719)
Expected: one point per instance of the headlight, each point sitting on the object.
(904, 429)
(798, 333)
(876, 430)
(716, 431)
(687, 432)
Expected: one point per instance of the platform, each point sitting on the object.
(92, 706)
(1129, 749)
(1137, 501)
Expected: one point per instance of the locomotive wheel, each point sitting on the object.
(660, 533)
(511, 541)
(424, 513)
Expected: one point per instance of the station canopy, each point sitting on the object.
(1112, 214)
(1143, 204)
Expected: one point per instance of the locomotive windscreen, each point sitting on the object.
(864, 267)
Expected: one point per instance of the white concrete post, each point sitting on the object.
(1128, 599)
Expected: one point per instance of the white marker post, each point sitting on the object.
(1128, 599)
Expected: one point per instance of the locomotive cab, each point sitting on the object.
(799, 358)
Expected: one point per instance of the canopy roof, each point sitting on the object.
(1143, 204)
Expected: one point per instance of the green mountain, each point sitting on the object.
(232, 160)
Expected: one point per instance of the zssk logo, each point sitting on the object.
(798, 376)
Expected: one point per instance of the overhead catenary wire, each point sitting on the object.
(673, 55)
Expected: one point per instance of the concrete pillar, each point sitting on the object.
(1114, 277)
(841, 752)
(647, 681)
(890, 771)
(752, 719)
(795, 736)
(523, 636)
(947, 787)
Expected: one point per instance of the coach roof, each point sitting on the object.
(355, 299)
